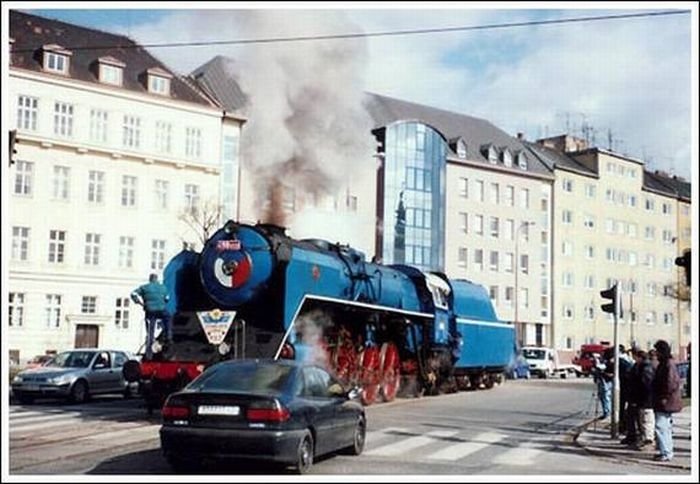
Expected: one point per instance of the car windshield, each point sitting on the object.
(243, 378)
(72, 359)
(531, 354)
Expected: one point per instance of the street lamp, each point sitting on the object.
(524, 224)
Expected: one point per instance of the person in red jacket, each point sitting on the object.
(666, 391)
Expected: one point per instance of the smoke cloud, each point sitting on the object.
(310, 331)
(307, 128)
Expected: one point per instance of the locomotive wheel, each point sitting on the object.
(391, 377)
(370, 374)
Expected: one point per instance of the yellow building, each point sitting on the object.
(614, 222)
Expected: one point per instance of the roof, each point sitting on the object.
(475, 132)
(31, 33)
(216, 78)
(556, 159)
(680, 186)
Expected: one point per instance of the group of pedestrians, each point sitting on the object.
(650, 393)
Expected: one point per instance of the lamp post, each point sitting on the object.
(517, 268)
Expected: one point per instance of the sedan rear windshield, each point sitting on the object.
(533, 354)
(72, 359)
(243, 378)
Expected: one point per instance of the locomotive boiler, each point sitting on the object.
(254, 292)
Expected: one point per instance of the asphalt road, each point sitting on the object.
(523, 427)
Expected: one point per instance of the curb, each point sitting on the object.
(602, 453)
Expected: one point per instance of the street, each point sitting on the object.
(523, 427)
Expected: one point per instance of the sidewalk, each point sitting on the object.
(595, 438)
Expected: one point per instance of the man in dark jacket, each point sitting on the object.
(153, 297)
(666, 389)
(641, 399)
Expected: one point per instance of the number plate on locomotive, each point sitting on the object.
(219, 410)
(234, 244)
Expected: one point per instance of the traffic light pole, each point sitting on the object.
(616, 380)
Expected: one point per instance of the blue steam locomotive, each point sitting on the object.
(253, 292)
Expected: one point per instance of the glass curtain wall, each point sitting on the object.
(414, 196)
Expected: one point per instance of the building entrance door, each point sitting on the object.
(86, 336)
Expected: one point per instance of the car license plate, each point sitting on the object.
(31, 388)
(219, 410)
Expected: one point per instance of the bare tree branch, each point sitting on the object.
(203, 218)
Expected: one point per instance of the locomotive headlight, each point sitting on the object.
(156, 347)
(224, 348)
(230, 227)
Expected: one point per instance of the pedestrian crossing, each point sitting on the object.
(75, 431)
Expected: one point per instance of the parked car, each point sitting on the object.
(75, 375)
(281, 411)
(519, 369)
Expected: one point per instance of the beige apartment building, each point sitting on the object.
(112, 149)
(613, 222)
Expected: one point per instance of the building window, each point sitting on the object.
(464, 187)
(20, 243)
(507, 158)
(522, 161)
(461, 149)
(510, 196)
(193, 142)
(163, 137)
(191, 197)
(479, 190)
(479, 224)
(16, 309)
(128, 191)
(121, 312)
(567, 185)
(524, 297)
(589, 221)
(53, 310)
(567, 217)
(493, 260)
(57, 246)
(590, 190)
(464, 222)
(493, 294)
(157, 254)
(92, 249)
(111, 74)
(508, 262)
(126, 252)
(63, 119)
(524, 198)
(649, 233)
(351, 203)
(96, 186)
(666, 208)
(567, 248)
(667, 237)
(89, 305)
(131, 132)
(415, 217)
(56, 62)
(462, 257)
(649, 204)
(509, 296)
(524, 263)
(567, 279)
(494, 227)
(651, 317)
(61, 179)
(495, 193)
(98, 125)
(418, 179)
(632, 201)
(479, 259)
(568, 312)
(492, 155)
(651, 289)
(158, 85)
(590, 252)
(589, 282)
(27, 108)
(161, 191)
(668, 319)
(589, 313)
(632, 230)
(510, 229)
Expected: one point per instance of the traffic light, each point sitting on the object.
(13, 150)
(684, 262)
(611, 294)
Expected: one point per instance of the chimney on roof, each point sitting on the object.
(520, 136)
(564, 143)
(661, 173)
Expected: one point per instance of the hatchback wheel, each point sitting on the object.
(305, 454)
(79, 392)
(358, 438)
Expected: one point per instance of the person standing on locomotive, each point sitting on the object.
(153, 297)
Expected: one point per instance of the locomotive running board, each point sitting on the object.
(349, 303)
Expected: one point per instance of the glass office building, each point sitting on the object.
(413, 190)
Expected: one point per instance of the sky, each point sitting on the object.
(630, 80)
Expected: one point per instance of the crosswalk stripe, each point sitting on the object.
(410, 443)
(58, 421)
(523, 455)
(41, 417)
(374, 435)
(463, 449)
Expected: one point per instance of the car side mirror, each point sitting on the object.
(354, 393)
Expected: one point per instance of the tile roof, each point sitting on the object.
(216, 78)
(556, 159)
(667, 185)
(475, 132)
(31, 33)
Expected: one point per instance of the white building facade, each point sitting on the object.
(106, 167)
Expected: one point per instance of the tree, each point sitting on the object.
(203, 218)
